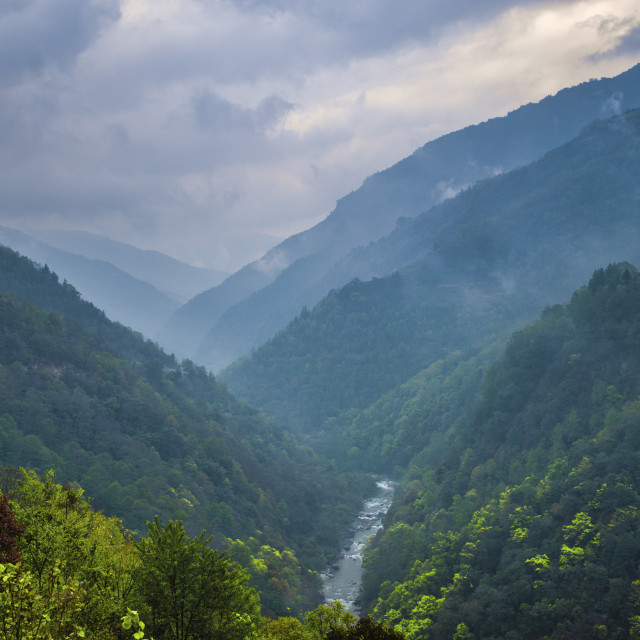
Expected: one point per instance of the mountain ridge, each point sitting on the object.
(482, 262)
(435, 170)
(129, 300)
(177, 279)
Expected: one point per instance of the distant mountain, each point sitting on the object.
(128, 300)
(145, 435)
(177, 279)
(469, 270)
(226, 322)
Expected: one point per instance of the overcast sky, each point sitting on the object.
(208, 129)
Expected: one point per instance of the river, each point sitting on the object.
(342, 580)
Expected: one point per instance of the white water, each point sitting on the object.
(342, 580)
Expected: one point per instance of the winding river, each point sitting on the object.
(342, 580)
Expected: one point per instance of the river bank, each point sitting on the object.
(342, 580)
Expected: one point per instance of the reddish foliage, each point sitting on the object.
(10, 530)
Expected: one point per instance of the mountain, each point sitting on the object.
(468, 271)
(226, 322)
(525, 524)
(127, 299)
(146, 435)
(179, 280)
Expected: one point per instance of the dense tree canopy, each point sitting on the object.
(527, 526)
(190, 590)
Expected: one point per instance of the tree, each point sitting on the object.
(10, 530)
(364, 629)
(326, 617)
(188, 590)
(285, 628)
(66, 542)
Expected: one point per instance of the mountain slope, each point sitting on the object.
(146, 435)
(125, 298)
(483, 263)
(302, 269)
(525, 526)
(179, 280)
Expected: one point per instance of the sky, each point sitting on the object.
(211, 129)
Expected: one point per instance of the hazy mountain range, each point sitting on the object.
(199, 314)
(470, 268)
(138, 288)
(226, 322)
(401, 348)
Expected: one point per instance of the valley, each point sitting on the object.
(482, 350)
(342, 579)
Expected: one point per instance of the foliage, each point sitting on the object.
(10, 531)
(80, 570)
(527, 526)
(44, 608)
(284, 584)
(326, 617)
(66, 542)
(284, 628)
(364, 629)
(132, 620)
(190, 590)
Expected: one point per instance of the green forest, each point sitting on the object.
(68, 571)
(516, 517)
(145, 435)
(140, 498)
(461, 275)
(526, 527)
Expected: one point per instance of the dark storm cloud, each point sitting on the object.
(36, 34)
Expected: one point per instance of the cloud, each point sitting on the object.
(215, 113)
(629, 43)
(187, 125)
(36, 35)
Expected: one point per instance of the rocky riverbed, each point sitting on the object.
(342, 580)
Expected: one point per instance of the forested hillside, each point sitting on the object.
(68, 572)
(471, 270)
(146, 435)
(525, 525)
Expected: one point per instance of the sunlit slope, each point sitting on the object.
(479, 265)
(269, 293)
(526, 524)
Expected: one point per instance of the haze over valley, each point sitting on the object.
(422, 401)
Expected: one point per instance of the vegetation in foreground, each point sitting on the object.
(144, 434)
(67, 571)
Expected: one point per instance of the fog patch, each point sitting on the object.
(612, 106)
(272, 264)
(446, 189)
(507, 282)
